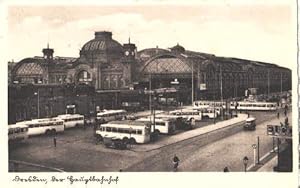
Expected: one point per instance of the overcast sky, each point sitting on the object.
(262, 32)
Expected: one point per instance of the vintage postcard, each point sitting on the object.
(172, 93)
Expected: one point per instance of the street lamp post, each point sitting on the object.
(245, 161)
(38, 102)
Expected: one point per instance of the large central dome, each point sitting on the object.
(102, 43)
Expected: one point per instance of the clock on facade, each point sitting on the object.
(126, 53)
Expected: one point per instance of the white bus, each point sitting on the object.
(244, 105)
(188, 114)
(162, 125)
(110, 115)
(132, 131)
(43, 126)
(17, 133)
(210, 112)
(72, 120)
(208, 104)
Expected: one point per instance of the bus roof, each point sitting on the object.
(17, 126)
(126, 123)
(250, 119)
(160, 119)
(69, 115)
(255, 102)
(110, 112)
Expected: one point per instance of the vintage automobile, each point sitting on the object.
(112, 142)
(250, 124)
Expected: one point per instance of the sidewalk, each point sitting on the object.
(191, 133)
(268, 166)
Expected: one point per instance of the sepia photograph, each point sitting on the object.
(157, 87)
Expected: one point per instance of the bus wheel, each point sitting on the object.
(53, 131)
(125, 140)
(132, 141)
(48, 132)
(99, 138)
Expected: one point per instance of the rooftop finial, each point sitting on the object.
(47, 45)
(129, 40)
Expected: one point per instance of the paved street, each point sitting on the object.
(76, 151)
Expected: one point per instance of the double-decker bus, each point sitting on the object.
(162, 125)
(17, 133)
(72, 120)
(208, 104)
(43, 126)
(245, 105)
(128, 131)
(111, 115)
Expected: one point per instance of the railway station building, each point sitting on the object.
(108, 74)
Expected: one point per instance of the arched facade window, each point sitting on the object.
(84, 77)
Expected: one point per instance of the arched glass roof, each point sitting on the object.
(167, 65)
(28, 69)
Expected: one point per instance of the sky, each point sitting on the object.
(262, 32)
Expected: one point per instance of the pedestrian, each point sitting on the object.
(278, 115)
(286, 121)
(175, 163)
(54, 141)
(226, 169)
(281, 124)
(285, 112)
(248, 114)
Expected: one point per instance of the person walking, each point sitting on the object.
(226, 169)
(175, 163)
(54, 141)
(285, 112)
(278, 115)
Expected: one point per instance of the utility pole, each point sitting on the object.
(38, 102)
(221, 87)
(192, 82)
(150, 89)
(281, 82)
(268, 81)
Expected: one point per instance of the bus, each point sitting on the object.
(180, 122)
(259, 106)
(209, 112)
(17, 133)
(128, 131)
(162, 125)
(208, 104)
(43, 126)
(72, 120)
(110, 115)
(189, 114)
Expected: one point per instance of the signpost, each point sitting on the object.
(254, 156)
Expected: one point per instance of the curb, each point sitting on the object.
(263, 160)
(35, 165)
(237, 124)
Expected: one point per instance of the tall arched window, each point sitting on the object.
(84, 76)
